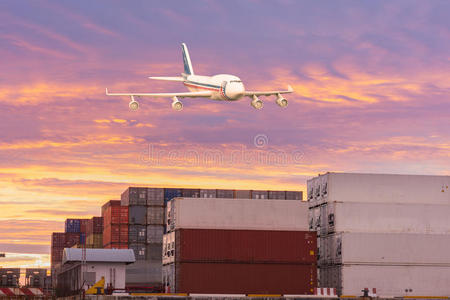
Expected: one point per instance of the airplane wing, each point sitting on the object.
(168, 95)
(268, 93)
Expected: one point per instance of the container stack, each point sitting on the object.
(9, 277)
(238, 246)
(115, 225)
(35, 277)
(388, 232)
(77, 226)
(145, 234)
(94, 233)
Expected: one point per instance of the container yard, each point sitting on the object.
(244, 242)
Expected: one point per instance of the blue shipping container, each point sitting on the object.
(73, 225)
(169, 194)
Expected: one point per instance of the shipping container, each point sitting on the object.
(137, 234)
(114, 214)
(56, 254)
(154, 252)
(209, 194)
(382, 188)
(73, 225)
(137, 215)
(140, 250)
(95, 226)
(169, 194)
(155, 196)
(260, 194)
(82, 238)
(168, 278)
(245, 246)
(391, 248)
(232, 278)
(392, 280)
(225, 194)
(214, 213)
(324, 218)
(281, 195)
(95, 239)
(294, 195)
(84, 225)
(155, 215)
(242, 194)
(155, 234)
(134, 196)
(144, 273)
(388, 218)
(116, 233)
(190, 193)
(58, 239)
(168, 246)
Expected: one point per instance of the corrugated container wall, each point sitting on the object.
(155, 197)
(277, 195)
(134, 196)
(232, 278)
(249, 246)
(260, 194)
(190, 193)
(137, 234)
(115, 233)
(137, 215)
(155, 233)
(144, 273)
(95, 240)
(73, 225)
(208, 193)
(242, 194)
(95, 226)
(387, 218)
(225, 193)
(294, 195)
(214, 213)
(381, 188)
(155, 215)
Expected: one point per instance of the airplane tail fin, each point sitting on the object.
(187, 60)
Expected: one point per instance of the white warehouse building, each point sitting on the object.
(108, 263)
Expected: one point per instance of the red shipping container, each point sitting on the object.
(115, 233)
(124, 215)
(71, 239)
(246, 246)
(83, 225)
(114, 213)
(56, 254)
(116, 246)
(58, 239)
(232, 278)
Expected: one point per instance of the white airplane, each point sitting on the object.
(221, 87)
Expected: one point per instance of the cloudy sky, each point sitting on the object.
(371, 80)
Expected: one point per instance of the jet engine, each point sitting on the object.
(282, 102)
(176, 104)
(133, 105)
(257, 103)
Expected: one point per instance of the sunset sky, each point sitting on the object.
(372, 94)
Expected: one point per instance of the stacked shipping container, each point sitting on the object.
(210, 248)
(387, 232)
(145, 231)
(115, 225)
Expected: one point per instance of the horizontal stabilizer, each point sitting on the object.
(176, 78)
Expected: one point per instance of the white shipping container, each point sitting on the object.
(168, 255)
(215, 213)
(397, 281)
(389, 218)
(380, 188)
(168, 280)
(391, 248)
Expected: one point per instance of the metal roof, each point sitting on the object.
(99, 255)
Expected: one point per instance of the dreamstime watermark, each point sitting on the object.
(258, 154)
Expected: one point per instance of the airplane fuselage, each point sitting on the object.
(223, 86)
